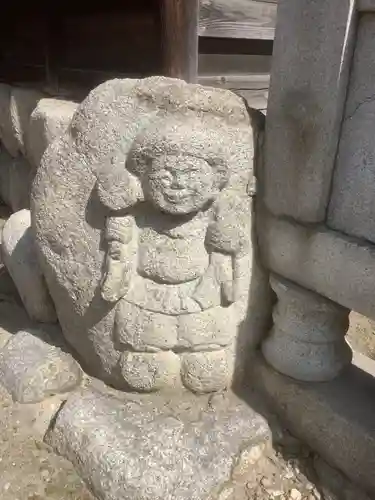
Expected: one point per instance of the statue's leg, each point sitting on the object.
(146, 339)
(210, 330)
(307, 341)
(206, 367)
(145, 331)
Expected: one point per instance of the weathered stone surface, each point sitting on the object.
(16, 106)
(31, 369)
(20, 258)
(328, 262)
(352, 205)
(7, 136)
(336, 419)
(310, 68)
(146, 447)
(48, 121)
(142, 224)
(22, 103)
(307, 338)
(15, 181)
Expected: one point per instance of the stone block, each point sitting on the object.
(22, 263)
(352, 204)
(7, 136)
(16, 106)
(336, 419)
(22, 103)
(15, 181)
(49, 120)
(310, 68)
(31, 369)
(119, 230)
(153, 448)
(319, 259)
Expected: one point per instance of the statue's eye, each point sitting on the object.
(165, 176)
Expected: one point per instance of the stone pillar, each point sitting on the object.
(307, 341)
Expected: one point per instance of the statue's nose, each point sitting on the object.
(176, 183)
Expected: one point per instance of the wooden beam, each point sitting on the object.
(54, 49)
(180, 38)
(253, 19)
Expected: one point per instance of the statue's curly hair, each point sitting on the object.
(183, 137)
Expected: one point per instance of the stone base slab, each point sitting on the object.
(154, 447)
(336, 419)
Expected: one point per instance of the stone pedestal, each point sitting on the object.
(307, 341)
(158, 448)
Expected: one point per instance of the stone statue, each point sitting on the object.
(142, 223)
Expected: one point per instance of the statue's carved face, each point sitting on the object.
(180, 184)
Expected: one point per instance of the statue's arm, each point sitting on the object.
(119, 264)
(227, 239)
(117, 188)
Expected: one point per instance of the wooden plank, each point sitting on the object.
(246, 75)
(238, 64)
(251, 19)
(238, 82)
(180, 38)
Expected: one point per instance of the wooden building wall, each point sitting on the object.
(68, 48)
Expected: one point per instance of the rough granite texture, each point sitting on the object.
(20, 258)
(22, 103)
(154, 448)
(49, 120)
(32, 369)
(7, 136)
(307, 340)
(28, 124)
(142, 223)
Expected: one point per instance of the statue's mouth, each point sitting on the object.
(176, 197)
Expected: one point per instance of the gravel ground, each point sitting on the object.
(29, 470)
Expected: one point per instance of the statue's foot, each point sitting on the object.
(205, 371)
(148, 372)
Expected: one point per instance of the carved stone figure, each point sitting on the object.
(142, 222)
